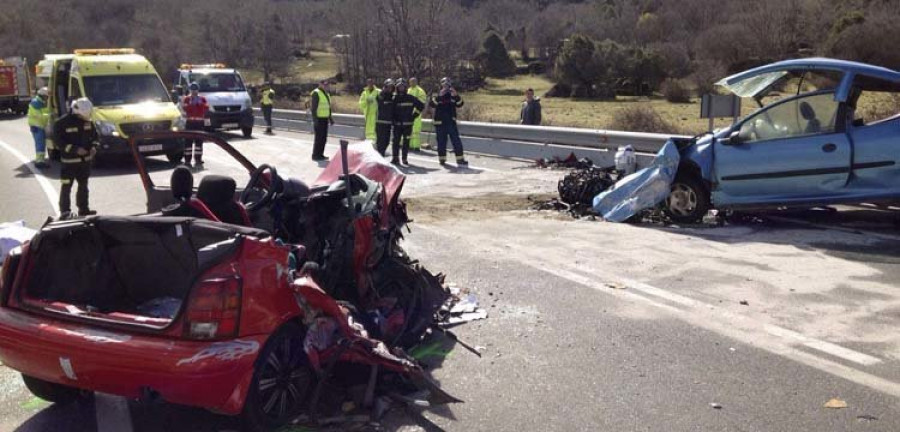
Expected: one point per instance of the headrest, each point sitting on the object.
(216, 189)
(806, 110)
(182, 183)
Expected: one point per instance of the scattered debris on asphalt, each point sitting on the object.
(715, 405)
(571, 161)
(836, 403)
(644, 189)
(745, 303)
(866, 418)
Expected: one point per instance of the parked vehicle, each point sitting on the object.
(15, 85)
(239, 306)
(810, 147)
(128, 96)
(230, 107)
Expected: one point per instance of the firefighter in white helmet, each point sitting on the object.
(77, 140)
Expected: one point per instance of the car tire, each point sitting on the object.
(52, 392)
(247, 132)
(175, 157)
(688, 200)
(283, 381)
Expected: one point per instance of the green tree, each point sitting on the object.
(494, 57)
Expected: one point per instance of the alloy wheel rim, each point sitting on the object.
(284, 380)
(682, 200)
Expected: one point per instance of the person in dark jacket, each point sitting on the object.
(384, 122)
(77, 141)
(406, 108)
(531, 109)
(445, 104)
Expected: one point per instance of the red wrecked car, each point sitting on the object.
(235, 300)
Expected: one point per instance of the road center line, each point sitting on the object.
(52, 194)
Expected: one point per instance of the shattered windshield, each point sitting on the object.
(124, 89)
(751, 87)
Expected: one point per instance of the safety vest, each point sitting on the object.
(38, 113)
(324, 109)
(367, 101)
(419, 93)
(267, 96)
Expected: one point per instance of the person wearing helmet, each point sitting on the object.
(369, 107)
(445, 104)
(406, 108)
(77, 140)
(384, 123)
(38, 118)
(195, 108)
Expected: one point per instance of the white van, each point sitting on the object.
(230, 107)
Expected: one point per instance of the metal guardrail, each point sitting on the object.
(560, 136)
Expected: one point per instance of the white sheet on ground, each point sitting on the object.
(12, 235)
(641, 190)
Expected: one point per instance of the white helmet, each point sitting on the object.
(82, 107)
(43, 91)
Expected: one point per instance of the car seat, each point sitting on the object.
(217, 193)
(182, 184)
(813, 124)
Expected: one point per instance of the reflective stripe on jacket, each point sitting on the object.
(267, 96)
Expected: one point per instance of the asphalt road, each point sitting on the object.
(592, 326)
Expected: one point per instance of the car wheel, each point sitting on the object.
(688, 200)
(283, 381)
(175, 157)
(53, 392)
(247, 131)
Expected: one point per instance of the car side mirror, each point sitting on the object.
(733, 139)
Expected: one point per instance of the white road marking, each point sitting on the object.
(112, 413)
(780, 341)
(52, 194)
(432, 161)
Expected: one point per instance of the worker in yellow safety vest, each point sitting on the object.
(369, 107)
(415, 142)
(38, 119)
(320, 109)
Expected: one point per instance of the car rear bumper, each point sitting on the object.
(212, 375)
(110, 145)
(230, 120)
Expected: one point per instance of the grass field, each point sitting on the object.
(501, 99)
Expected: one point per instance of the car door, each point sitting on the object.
(793, 151)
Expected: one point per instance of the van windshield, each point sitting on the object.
(218, 82)
(124, 89)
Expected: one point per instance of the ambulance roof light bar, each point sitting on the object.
(104, 51)
(203, 66)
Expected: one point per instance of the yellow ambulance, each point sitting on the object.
(128, 96)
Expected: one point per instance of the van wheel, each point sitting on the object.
(175, 157)
(247, 131)
(52, 392)
(688, 200)
(283, 381)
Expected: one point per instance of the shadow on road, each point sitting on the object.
(72, 417)
(106, 169)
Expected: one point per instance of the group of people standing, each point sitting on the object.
(394, 115)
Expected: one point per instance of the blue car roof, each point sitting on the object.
(820, 63)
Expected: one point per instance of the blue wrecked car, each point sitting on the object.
(807, 145)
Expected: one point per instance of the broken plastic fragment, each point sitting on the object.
(836, 403)
(466, 317)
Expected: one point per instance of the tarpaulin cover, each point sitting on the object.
(641, 190)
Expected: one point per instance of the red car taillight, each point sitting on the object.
(214, 309)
